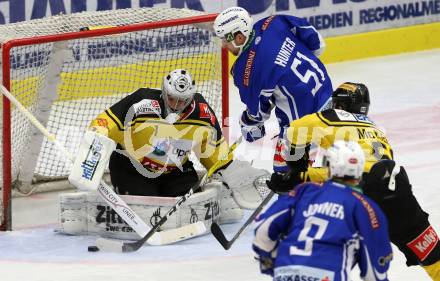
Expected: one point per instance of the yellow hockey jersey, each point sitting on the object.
(324, 128)
(138, 124)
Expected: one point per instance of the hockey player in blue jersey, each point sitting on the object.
(321, 231)
(277, 67)
(384, 181)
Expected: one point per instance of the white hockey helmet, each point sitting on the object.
(231, 21)
(178, 90)
(345, 160)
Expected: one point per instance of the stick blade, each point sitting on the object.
(220, 236)
(108, 245)
(172, 236)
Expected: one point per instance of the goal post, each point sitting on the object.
(67, 69)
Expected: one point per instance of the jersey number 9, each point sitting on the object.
(304, 236)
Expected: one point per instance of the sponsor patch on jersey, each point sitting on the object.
(267, 22)
(424, 243)
(371, 213)
(363, 118)
(248, 68)
(302, 273)
(102, 122)
(161, 147)
(344, 115)
(206, 113)
(147, 106)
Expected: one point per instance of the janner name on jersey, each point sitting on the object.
(285, 52)
(330, 209)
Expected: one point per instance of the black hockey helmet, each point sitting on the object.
(351, 97)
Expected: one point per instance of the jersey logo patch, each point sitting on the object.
(206, 113)
(147, 106)
(344, 115)
(424, 243)
(102, 122)
(363, 118)
(248, 68)
(161, 147)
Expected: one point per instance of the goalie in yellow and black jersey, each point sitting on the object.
(155, 131)
(384, 181)
(146, 139)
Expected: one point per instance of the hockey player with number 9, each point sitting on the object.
(320, 231)
(277, 67)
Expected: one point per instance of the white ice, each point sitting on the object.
(405, 101)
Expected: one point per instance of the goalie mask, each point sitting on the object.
(231, 21)
(178, 90)
(352, 97)
(345, 160)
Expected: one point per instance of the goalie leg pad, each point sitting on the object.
(73, 213)
(91, 161)
(240, 177)
(87, 213)
(230, 212)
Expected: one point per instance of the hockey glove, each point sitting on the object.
(266, 259)
(251, 129)
(285, 182)
(408, 224)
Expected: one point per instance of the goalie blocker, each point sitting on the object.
(91, 161)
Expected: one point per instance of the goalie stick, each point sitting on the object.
(120, 246)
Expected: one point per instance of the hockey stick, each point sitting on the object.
(107, 194)
(118, 246)
(219, 234)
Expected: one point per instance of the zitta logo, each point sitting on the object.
(92, 160)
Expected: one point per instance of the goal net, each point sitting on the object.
(67, 69)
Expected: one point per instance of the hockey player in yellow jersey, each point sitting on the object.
(146, 139)
(384, 181)
(155, 131)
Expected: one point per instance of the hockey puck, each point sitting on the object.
(93, 249)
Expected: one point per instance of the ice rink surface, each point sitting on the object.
(405, 101)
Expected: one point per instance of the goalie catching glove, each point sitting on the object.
(239, 176)
(91, 161)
